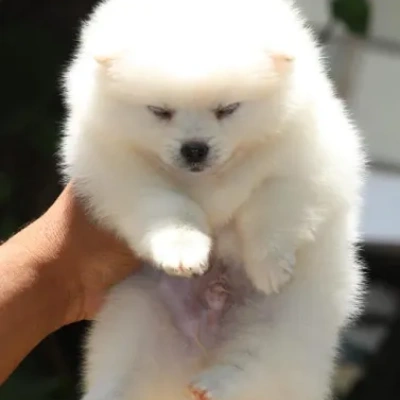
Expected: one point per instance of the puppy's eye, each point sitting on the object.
(162, 113)
(225, 111)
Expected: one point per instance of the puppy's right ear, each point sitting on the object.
(103, 60)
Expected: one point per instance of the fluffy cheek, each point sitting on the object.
(169, 152)
(222, 148)
(150, 136)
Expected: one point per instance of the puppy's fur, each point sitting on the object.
(274, 203)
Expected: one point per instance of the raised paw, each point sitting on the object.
(218, 383)
(273, 273)
(180, 251)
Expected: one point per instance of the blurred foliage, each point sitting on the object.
(354, 14)
(36, 40)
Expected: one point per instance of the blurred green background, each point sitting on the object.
(36, 40)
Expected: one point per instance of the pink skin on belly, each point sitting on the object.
(198, 307)
(198, 304)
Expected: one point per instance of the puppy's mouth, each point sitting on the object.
(193, 168)
(196, 167)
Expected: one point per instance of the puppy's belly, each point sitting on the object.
(198, 306)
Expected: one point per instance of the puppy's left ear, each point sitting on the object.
(103, 60)
(281, 62)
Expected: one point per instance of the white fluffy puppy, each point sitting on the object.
(208, 129)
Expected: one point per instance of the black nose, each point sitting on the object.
(194, 152)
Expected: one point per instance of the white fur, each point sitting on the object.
(280, 194)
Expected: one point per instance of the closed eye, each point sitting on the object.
(222, 112)
(162, 113)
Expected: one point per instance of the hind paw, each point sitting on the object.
(198, 394)
(217, 383)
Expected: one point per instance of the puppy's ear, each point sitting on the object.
(104, 60)
(282, 62)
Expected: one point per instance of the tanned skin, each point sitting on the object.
(54, 272)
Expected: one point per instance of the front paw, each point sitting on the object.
(180, 251)
(272, 272)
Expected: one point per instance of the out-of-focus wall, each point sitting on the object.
(374, 100)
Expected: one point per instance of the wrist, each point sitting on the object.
(72, 261)
(86, 259)
(61, 252)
